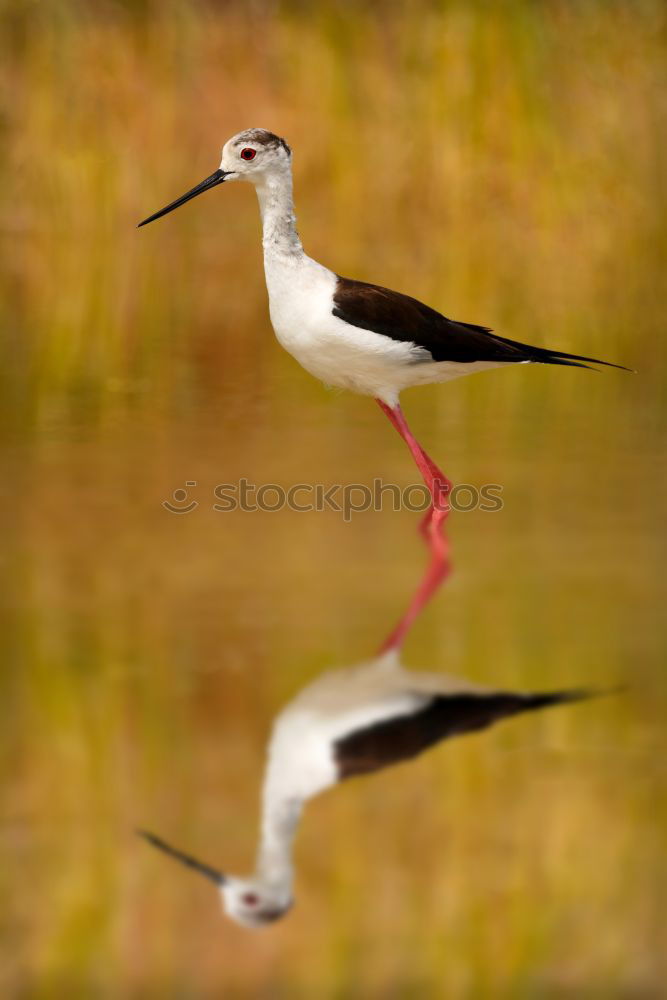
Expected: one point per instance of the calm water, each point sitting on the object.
(145, 651)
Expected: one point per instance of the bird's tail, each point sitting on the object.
(481, 710)
(544, 699)
(541, 355)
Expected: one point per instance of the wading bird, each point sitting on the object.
(347, 723)
(360, 336)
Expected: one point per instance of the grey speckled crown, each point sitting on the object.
(264, 138)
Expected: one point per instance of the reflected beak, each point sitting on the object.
(173, 852)
(217, 178)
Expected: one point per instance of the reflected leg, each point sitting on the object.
(432, 526)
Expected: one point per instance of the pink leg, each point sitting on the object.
(432, 527)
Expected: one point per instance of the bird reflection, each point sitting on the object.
(347, 723)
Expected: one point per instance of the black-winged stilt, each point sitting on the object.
(347, 723)
(360, 336)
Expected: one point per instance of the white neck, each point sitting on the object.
(274, 857)
(276, 207)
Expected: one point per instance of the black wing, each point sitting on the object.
(403, 318)
(406, 736)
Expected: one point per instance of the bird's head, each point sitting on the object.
(250, 902)
(252, 155)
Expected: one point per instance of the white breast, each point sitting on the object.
(301, 305)
(300, 763)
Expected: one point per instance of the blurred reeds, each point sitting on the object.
(506, 163)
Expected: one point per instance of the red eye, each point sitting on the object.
(249, 898)
(248, 153)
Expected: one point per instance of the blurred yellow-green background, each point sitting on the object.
(504, 162)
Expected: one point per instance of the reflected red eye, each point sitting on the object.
(248, 153)
(249, 898)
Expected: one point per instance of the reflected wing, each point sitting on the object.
(402, 737)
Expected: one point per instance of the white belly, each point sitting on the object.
(301, 306)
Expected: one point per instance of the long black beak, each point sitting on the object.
(217, 178)
(185, 859)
